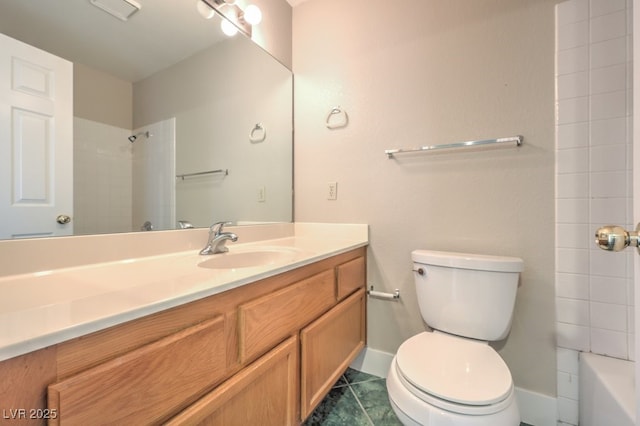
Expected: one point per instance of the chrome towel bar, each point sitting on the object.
(512, 139)
(208, 172)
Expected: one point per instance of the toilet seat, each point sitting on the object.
(455, 374)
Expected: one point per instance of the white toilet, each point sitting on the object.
(451, 376)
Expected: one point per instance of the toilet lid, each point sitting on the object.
(454, 369)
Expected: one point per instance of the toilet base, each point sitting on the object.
(412, 411)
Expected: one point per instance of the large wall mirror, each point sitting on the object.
(173, 124)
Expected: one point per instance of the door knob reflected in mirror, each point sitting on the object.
(63, 219)
(616, 238)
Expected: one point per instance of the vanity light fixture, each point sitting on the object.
(228, 28)
(205, 10)
(252, 14)
(121, 9)
(237, 19)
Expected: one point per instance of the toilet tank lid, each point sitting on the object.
(480, 262)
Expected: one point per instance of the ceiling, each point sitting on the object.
(160, 34)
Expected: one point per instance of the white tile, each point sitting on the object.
(608, 132)
(574, 110)
(572, 311)
(608, 289)
(572, 35)
(609, 316)
(573, 261)
(572, 185)
(573, 85)
(608, 158)
(572, 11)
(568, 360)
(631, 344)
(606, 27)
(572, 286)
(631, 325)
(603, 7)
(572, 135)
(607, 184)
(572, 60)
(630, 289)
(608, 342)
(607, 263)
(607, 211)
(567, 385)
(572, 210)
(608, 79)
(607, 105)
(573, 160)
(568, 410)
(571, 235)
(607, 53)
(572, 336)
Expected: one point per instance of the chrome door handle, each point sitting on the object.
(616, 238)
(63, 219)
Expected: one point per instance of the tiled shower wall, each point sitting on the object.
(102, 178)
(594, 288)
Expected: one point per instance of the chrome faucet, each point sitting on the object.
(217, 239)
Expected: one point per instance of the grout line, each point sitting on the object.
(361, 407)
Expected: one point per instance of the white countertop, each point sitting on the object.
(42, 308)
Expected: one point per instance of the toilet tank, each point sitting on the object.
(468, 295)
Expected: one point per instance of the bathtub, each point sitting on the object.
(607, 391)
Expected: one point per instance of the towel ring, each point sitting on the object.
(337, 110)
(261, 133)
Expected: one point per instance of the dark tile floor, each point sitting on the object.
(357, 399)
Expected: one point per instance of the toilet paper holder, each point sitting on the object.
(381, 295)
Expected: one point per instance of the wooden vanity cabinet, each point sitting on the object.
(264, 353)
(328, 346)
(263, 393)
(147, 384)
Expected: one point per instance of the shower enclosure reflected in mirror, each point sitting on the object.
(174, 124)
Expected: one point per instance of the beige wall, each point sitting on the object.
(421, 72)
(101, 97)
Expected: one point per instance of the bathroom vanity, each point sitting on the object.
(260, 344)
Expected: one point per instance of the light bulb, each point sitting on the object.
(253, 14)
(228, 28)
(204, 10)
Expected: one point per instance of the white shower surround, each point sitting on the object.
(594, 289)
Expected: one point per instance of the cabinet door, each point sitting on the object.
(146, 385)
(268, 320)
(264, 393)
(328, 346)
(351, 276)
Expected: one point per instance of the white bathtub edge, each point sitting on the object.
(606, 390)
(535, 408)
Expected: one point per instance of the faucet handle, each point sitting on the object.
(216, 228)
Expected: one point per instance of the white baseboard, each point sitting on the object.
(372, 361)
(535, 408)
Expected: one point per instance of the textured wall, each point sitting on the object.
(421, 72)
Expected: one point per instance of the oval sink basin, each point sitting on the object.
(262, 256)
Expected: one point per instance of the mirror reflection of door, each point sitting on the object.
(36, 142)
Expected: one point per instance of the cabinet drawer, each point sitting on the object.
(351, 276)
(268, 320)
(146, 385)
(264, 393)
(328, 346)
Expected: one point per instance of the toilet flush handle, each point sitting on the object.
(420, 271)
